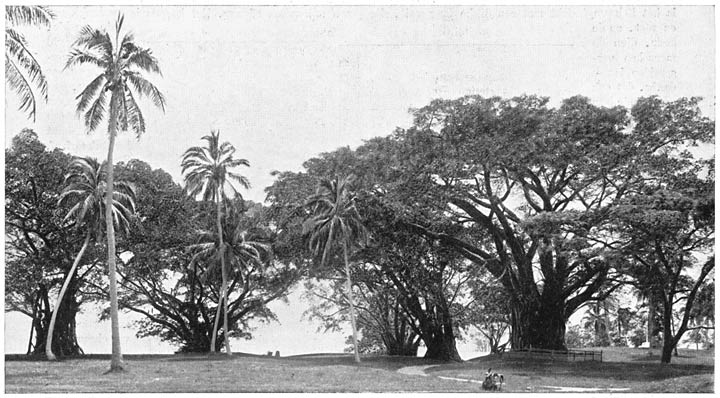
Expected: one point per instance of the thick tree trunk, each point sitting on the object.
(669, 342)
(65, 336)
(441, 344)
(538, 326)
(116, 361)
(68, 278)
(351, 303)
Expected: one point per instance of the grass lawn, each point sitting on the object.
(629, 369)
(241, 373)
(623, 368)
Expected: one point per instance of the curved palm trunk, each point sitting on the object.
(116, 361)
(351, 302)
(51, 329)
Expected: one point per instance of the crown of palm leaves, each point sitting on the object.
(122, 62)
(209, 168)
(85, 193)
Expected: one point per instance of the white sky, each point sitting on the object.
(286, 83)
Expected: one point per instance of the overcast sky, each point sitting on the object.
(283, 84)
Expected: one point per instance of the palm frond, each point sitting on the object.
(22, 69)
(96, 112)
(134, 114)
(95, 40)
(28, 15)
(18, 83)
(81, 56)
(89, 92)
(143, 59)
(147, 89)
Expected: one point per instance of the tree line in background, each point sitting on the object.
(499, 214)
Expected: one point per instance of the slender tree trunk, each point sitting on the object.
(116, 361)
(351, 303)
(223, 270)
(48, 344)
(213, 339)
(651, 322)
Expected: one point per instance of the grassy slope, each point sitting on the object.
(624, 368)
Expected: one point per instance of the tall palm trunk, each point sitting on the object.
(224, 277)
(351, 302)
(68, 278)
(116, 361)
(213, 339)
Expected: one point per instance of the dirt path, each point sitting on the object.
(415, 370)
(420, 371)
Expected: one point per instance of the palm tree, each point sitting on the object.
(121, 62)
(241, 251)
(336, 221)
(207, 172)
(21, 67)
(85, 187)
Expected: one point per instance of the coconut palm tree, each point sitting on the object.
(21, 67)
(207, 172)
(241, 251)
(121, 62)
(85, 187)
(336, 221)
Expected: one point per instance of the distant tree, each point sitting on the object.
(121, 62)
(336, 221)
(578, 337)
(597, 319)
(208, 172)
(21, 68)
(490, 311)
(85, 189)
(381, 319)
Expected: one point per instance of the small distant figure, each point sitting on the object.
(493, 381)
(269, 353)
(277, 354)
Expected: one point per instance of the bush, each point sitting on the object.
(637, 337)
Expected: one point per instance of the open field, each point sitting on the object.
(630, 370)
